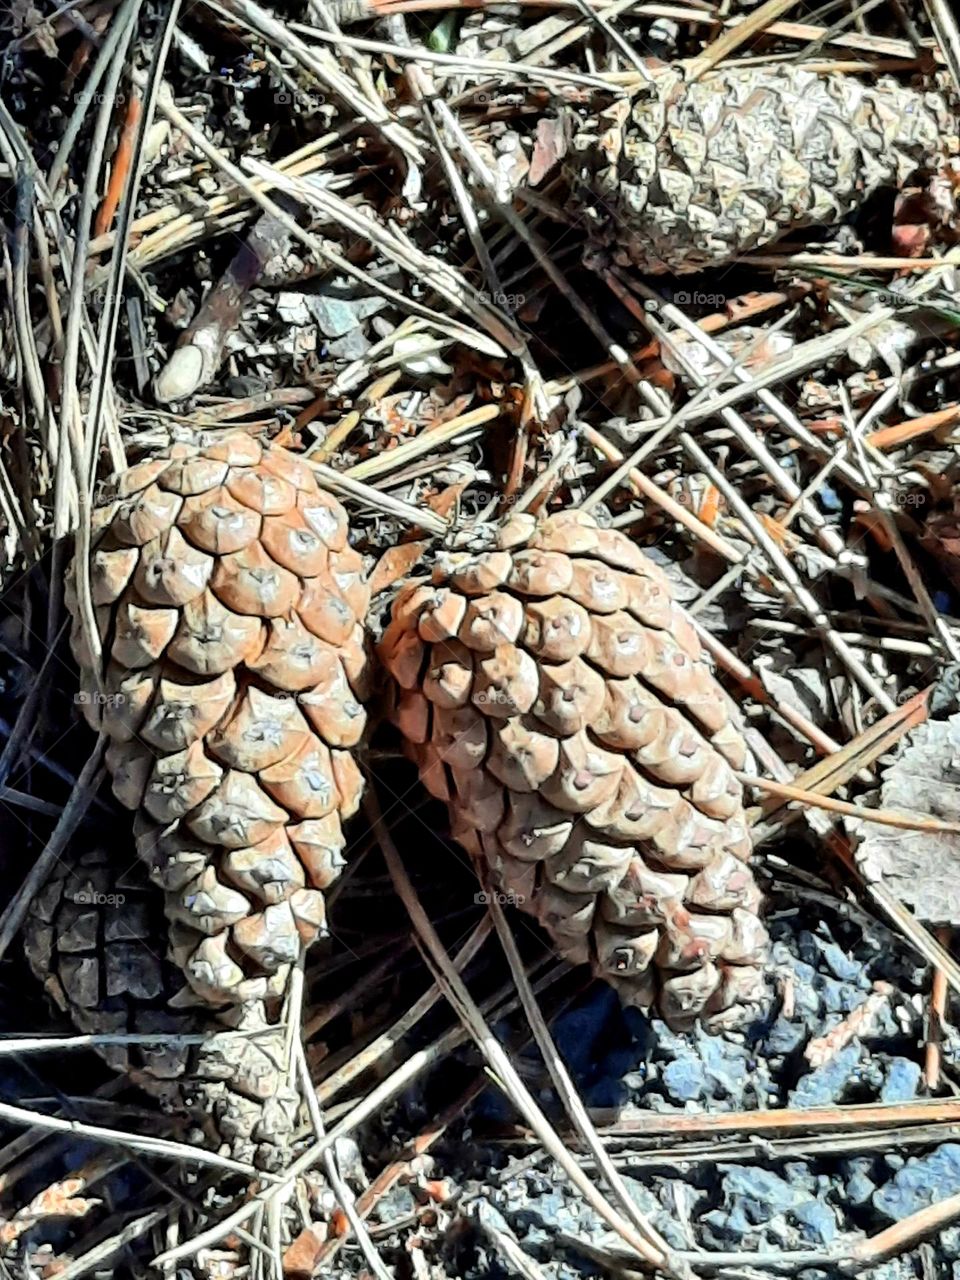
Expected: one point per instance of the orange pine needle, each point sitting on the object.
(938, 1005)
(901, 432)
(122, 160)
(710, 506)
(781, 535)
(826, 427)
(882, 817)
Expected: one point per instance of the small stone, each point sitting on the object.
(642, 1197)
(763, 1192)
(902, 1081)
(725, 1064)
(842, 966)
(817, 1221)
(292, 307)
(860, 1185)
(180, 376)
(921, 1182)
(352, 346)
(827, 1084)
(396, 1203)
(337, 317)
(784, 1036)
(686, 1079)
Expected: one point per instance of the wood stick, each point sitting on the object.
(938, 1005)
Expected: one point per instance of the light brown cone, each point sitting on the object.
(230, 609)
(97, 941)
(684, 176)
(556, 698)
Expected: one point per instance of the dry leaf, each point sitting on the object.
(549, 148)
(58, 1201)
(394, 564)
(301, 1258)
(442, 503)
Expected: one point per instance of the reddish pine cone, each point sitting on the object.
(556, 698)
(230, 611)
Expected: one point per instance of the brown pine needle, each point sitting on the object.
(900, 432)
(841, 766)
(734, 37)
(883, 817)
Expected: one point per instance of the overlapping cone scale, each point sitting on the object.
(230, 612)
(96, 939)
(688, 175)
(556, 698)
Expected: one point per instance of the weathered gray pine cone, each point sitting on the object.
(97, 942)
(557, 699)
(686, 176)
(230, 608)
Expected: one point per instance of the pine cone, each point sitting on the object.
(230, 611)
(557, 699)
(687, 176)
(98, 946)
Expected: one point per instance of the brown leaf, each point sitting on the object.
(301, 1258)
(57, 1201)
(394, 564)
(549, 148)
(443, 502)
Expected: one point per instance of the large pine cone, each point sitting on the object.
(555, 696)
(230, 609)
(686, 176)
(96, 941)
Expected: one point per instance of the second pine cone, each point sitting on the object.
(552, 693)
